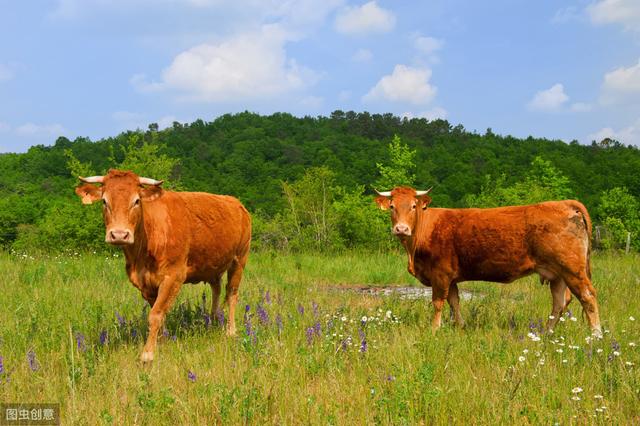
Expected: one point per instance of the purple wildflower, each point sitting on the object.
(247, 309)
(279, 323)
(207, 320)
(343, 344)
(249, 329)
(569, 313)
(174, 337)
(80, 342)
(615, 345)
(121, 320)
(1, 364)
(309, 334)
(103, 337)
(314, 305)
(390, 378)
(363, 341)
(262, 315)
(220, 317)
(191, 376)
(165, 332)
(317, 329)
(267, 297)
(34, 365)
(134, 333)
(300, 309)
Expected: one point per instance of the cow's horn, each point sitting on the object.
(91, 179)
(148, 181)
(383, 193)
(418, 193)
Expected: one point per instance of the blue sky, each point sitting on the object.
(566, 70)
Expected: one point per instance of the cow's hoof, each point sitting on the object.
(146, 357)
(231, 333)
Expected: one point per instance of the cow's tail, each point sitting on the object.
(586, 219)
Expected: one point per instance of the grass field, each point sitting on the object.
(72, 329)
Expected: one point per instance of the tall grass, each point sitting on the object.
(72, 328)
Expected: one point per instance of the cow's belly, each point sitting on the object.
(497, 270)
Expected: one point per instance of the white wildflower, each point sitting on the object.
(632, 319)
(577, 389)
(521, 358)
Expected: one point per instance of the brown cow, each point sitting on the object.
(170, 238)
(448, 246)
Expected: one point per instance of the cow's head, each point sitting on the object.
(404, 203)
(121, 195)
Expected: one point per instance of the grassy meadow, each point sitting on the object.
(72, 328)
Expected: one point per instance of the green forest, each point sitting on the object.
(309, 181)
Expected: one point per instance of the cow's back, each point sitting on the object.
(207, 231)
(505, 243)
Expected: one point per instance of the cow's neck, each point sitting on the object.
(136, 252)
(419, 236)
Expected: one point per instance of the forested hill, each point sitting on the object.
(250, 156)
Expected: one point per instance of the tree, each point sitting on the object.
(543, 182)
(401, 167)
(310, 208)
(619, 212)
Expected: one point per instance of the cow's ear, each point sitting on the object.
(89, 193)
(383, 202)
(151, 192)
(424, 201)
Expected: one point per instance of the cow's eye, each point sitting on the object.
(136, 202)
(391, 206)
(413, 207)
(104, 202)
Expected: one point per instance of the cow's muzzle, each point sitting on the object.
(402, 230)
(119, 237)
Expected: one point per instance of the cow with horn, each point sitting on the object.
(170, 238)
(448, 246)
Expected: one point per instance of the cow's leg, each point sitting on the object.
(558, 294)
(438, 297)
(166, 296)
(454, 302)
(234, 275)
(215, 296)
(580, 285)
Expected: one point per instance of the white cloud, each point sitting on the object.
(434, 113)
(551, 99)
(167, 121)
(362, 55)
(31, 130)
(366, 19)
(247, 66)
(623, 12)
(581, 107)
(621, 83)
(628, 135)
(566, 14)
(427, 45)
(6, 72)
(405, 84)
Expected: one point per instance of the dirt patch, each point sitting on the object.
(404, 292)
